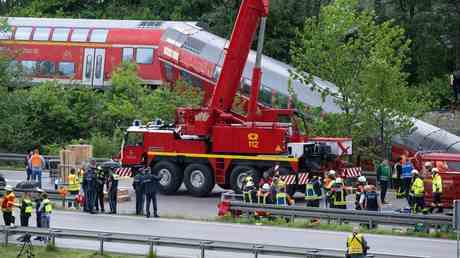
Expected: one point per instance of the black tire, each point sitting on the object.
(172, 176)
(237, 175)
(199, 179)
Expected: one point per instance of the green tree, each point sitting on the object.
(364, 59)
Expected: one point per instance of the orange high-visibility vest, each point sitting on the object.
(36, 161)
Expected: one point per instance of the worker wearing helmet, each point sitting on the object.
(329, 181)
(362, 182)
(263, 193)
(248, 189)
(7, 206)
(281, 195)
(437, 190)
(339, 195)
(417, 192)
(313, 192)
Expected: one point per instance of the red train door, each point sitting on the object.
(93, 67)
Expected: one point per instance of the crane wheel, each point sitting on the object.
(172, 176)
(238, 174)
(199, 179)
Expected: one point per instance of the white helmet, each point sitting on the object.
(428, 164)
(331, 172)
(339, 180)
(362, 179)
(8, 188)
(266, 187)
(435, 170)
(414, 172)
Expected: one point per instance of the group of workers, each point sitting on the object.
(43, 209)
(146, 186)
(93, 179)
(271, 189)
(410, 184)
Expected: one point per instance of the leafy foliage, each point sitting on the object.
(364, 59)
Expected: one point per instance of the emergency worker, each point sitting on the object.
(263, 194)
(383, 178)
(46, 208)
(74, 185)
(139, 189)
(417, 192)
(339, 195)
(38, 213)
(112, 189)
(370, 200)
(89, 186)
(151, 187)
(437, 190)
(100, 182)
(406, 176)
(26, 207)
(356, 245)
(282, 196)
(7, 206)
(329, 181)
(313, 192)
(248, 189)
(397, 183)
(362, 182)
(37, 163)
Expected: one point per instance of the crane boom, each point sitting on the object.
(249, 16)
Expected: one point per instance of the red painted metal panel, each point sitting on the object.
(134, 36)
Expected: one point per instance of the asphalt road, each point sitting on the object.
(404, 246)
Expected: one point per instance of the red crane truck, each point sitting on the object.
(214, 145)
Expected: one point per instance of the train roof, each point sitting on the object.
(101, 24)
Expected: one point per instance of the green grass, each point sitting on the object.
(324, 225)
(42, 252)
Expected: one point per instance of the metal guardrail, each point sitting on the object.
(370, 217)
(15, 157)
(202, 245)
(52, 195)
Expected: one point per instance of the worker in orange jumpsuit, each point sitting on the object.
(7, 206)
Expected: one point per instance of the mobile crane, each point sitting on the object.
(214, 145)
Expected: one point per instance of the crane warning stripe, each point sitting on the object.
(124, 172)
(352, 172)
(288, 179)
(303, 179)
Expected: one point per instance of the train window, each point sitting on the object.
(190, 79)
(13, 66)
(89, 66)
(5, 33)
(98, 67)
(169, 72)
(281, 101)
(144, 55)
(42, 34)
(29, 67)
(66, 69)
(99, 36)
(265, 96)
(45, 68)
(194, 45)
(246, 87)
(79, 35)
(60, 34)
(128, 54)
(22, 33)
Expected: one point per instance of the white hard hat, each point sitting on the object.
(339, 180)
(8, 188)
(414, 172)
(362, 179)
(435, 170)
(428, 164)
(331, 172)
(266, 187)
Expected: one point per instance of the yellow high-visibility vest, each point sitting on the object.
(437, 184)
(355, 244)
(418, 188)
(74, 183)
(29, 206)
(48, 206)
